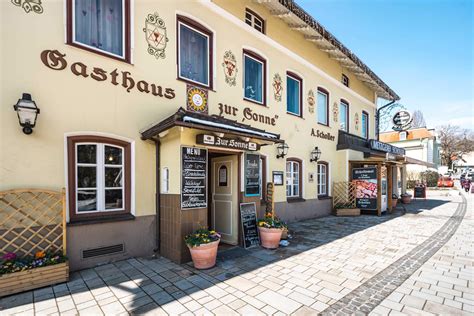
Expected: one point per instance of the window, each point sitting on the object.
(254, 20)
(323, 107)
(293, 178)
(365, 124)
(194, 52)
(402, 135)
(99, 176)
(165, 184)
(254, 78)
(101, 26)
(322, 179)
(344, 115)
(345, 80)
(294, 92)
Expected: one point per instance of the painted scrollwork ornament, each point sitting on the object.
(277, 87)
(230, 68)
(29, 5)
(311, 101)
(335, 112)
(356, 120)
(155, 35)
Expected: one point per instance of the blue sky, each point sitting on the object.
(423, 49)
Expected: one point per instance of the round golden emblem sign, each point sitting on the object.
(197, 99)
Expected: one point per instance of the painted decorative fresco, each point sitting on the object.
(29, 5)
(155, 35)
(197, 99)
(356, 120)
(277, 87)
(311, 101)
(230, 68)
(335, 111)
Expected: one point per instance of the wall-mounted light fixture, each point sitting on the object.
(315, 154)
(282, 150)
(27, 112)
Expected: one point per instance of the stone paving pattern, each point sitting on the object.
(326, 261)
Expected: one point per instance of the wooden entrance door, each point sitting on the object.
(224, 212)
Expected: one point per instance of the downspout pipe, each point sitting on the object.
(377, 119)
(157, 193)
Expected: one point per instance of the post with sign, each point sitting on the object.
(270, 200)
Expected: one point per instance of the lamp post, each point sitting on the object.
(27, 112)
(282, 150)
(315, 154)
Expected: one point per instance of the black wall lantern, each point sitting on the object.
(27, 112)
(282, 150)
(315, 154)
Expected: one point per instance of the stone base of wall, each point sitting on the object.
(300, 210)
(138, 237)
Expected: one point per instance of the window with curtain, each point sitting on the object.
(365, 125)
(293, 94)
(254, 74)
(323, 106)
(99, 173)
(293, 179)
(343, 116)
(194, 53)
(322, 179)
(99, 25)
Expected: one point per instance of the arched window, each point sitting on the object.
(99, 177)
(323, 106)
(293, 178)
(323, 179)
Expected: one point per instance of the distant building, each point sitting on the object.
(419, 143)
(464, 163)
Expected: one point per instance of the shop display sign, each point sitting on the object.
(402, 120)
(380, 146)
(193, 177)
(248, 218)
(365, 180)
(252, 175)
(233, 143)
(277, 177)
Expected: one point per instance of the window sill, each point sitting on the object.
(200, 85)
(296, 115)
(322, 124)
(101, 219)
(295, 200)
(255, 102)
(126, 59)
(324, 197)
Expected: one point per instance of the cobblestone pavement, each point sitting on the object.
(328, 260)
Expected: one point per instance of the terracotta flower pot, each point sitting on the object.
(270, 237)
(394, 203)
(406, 199)
(204, 255)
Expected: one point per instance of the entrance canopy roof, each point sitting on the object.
(211, 123)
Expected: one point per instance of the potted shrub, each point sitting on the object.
(394, 200)
(346, 209)
(270, 229)
(406, 198)
(203, 245)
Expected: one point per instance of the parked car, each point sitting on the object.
(445, 182)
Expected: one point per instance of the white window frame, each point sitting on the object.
(252, 20)
(402, 135)
(323, 184)
(290, 176)
(124, 35)
(346, 112)
(208, 84)
(100, 177)
(263, 79)
(300, 84)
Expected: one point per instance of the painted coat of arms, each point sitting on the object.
(311, 101)
(335, 111)
(277, 87)
(356, 119)
(155, 35)
(230, 68)
(29, 5)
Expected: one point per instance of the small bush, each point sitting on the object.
(430, 177)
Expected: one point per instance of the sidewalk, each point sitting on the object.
(327, 262)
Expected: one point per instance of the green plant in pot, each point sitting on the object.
(203, 245)
(270, 228)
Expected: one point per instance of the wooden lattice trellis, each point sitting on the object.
(344, 194)
(32, 220)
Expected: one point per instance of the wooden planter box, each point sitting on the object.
(16, 282)
(347, 212)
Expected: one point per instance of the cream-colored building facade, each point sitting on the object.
(86, 96)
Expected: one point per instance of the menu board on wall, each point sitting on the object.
(365, 180)
(248, 218)
(252, 175)
(193, 177)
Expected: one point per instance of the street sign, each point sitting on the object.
(402, 120)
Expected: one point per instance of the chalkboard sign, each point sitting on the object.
(420, 192)
(252, 175)
(193, 177)
(248, 218)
